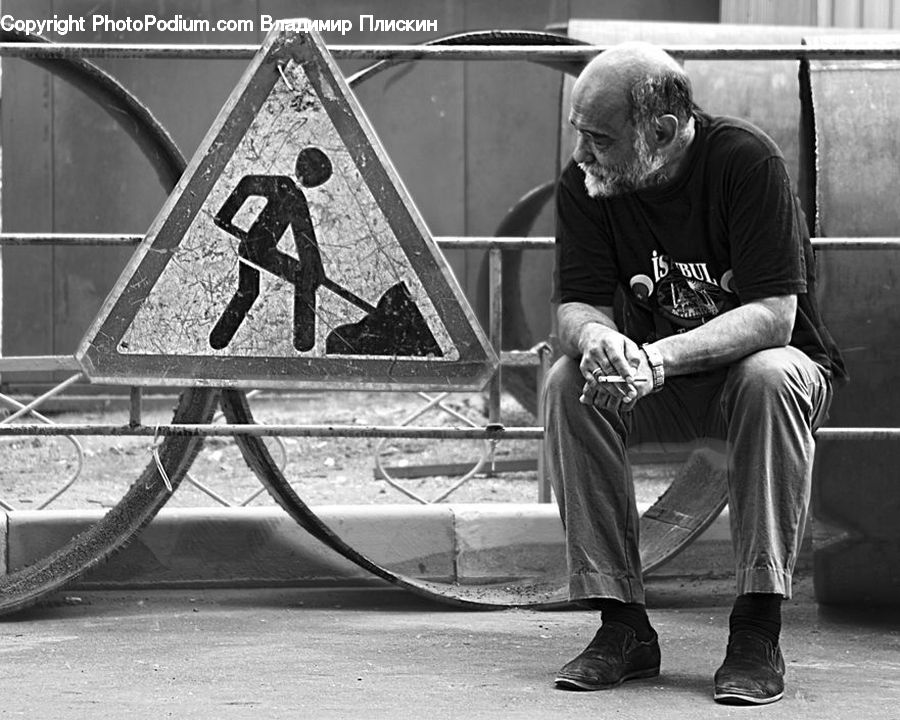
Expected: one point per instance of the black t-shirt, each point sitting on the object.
(727, 231)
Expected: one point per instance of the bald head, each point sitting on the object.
(640, 79)
(633, 113)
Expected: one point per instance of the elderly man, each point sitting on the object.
(685, 282)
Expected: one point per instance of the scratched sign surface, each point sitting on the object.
(289, 254)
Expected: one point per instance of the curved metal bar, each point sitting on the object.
(542, 591)
(225, 502)
(145, 497)
(24, 587)
(129, 113)
(492, 38)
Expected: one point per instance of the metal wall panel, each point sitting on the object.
(869, 14)
(27, 195)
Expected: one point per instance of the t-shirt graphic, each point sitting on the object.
(688, 302)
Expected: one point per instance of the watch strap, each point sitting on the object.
(655, 360)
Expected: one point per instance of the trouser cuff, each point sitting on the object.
(595, 585)
(764, 580)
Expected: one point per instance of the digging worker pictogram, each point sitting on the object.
(286, 206)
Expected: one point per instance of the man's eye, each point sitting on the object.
(596, 139)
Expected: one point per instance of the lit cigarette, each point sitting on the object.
(616, 379)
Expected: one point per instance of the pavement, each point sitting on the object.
(380, 652)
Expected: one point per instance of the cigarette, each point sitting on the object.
(615, 379)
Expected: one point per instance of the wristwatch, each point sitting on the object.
(655, 360)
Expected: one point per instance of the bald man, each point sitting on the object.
(684, 268)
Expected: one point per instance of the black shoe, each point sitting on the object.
(614, 656)
(753, 671)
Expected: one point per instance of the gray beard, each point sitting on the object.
(646, 170)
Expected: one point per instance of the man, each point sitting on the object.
(683, 268)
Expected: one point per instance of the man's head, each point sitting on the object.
(633, 109)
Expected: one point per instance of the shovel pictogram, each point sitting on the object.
(393, 327)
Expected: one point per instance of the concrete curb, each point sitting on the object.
(263, 546)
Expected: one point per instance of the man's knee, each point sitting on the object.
(763, 375)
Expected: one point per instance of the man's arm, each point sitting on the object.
(573, 319)
(756, 325)
(588, 333)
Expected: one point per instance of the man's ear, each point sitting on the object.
(665, 129)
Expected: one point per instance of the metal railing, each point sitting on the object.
(537, 357)
(445, 52)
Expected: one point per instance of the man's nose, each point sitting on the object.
(583, 152)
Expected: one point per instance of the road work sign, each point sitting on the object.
(289, 255)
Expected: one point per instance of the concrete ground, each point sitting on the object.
(377, 652)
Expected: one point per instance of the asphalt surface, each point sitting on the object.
(378, 652)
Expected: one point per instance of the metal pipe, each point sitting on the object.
(447, 242)
(128, 239)
(53, 363)
(55, 51)
(215, 430)
(135, 405)
(69, 239)
(855, 243)
(495, 331)
(38, 363)
(532, 53)
(498, 432)
(858, 433)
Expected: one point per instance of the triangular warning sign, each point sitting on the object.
(289, 255)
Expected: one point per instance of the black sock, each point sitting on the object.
(634, 615)
(759, 613)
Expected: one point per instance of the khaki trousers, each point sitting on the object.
(765, 408)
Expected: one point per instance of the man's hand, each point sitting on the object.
(607, 352)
